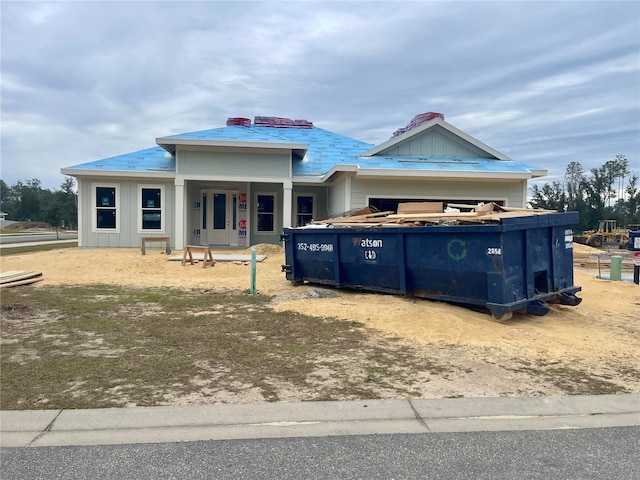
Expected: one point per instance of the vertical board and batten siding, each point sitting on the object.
(510, 192)
(338, 201)
(233, 164)
(127, 210)
(436, 142)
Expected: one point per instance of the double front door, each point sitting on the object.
(218, 222)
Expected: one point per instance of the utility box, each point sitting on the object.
(634, 241)
(634, 246)
(523, 263)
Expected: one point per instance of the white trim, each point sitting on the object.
(275, 213)
(294, 209)
(248, 214)
(94, 208)
(481, 176)
(232, 178)
(231, 228)
(395, 173)
(180, 219)
(80, 199)
(72, 172)
(287, 204)
(347, 193)
(140, 207)
(166, 143)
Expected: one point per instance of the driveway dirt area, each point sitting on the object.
(591, 348)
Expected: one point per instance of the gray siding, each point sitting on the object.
(436, 142)
(233, 164)
(127, 210)
(338, 197)
(510, 192)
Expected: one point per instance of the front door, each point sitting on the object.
(218, 219)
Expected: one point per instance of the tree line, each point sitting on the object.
(29, 202)
(608, 192)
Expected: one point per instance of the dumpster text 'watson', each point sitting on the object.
(367, 242)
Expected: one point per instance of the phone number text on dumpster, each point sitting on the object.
(315, 247)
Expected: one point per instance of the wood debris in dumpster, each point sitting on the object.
(418, 214)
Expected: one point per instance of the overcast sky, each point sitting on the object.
(545, 83)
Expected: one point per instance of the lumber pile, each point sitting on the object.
(14, 278)
(419, 214)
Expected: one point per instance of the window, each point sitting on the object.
(219, 211)
(266, 213)
(150, 208)
(304, 210)
(105, 208)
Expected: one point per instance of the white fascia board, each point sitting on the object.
(163, 142)
(486, 175)
(354, 168)
(116, 173)
(308, 179)
(538, 173)
(425, 126)
(233, 178)
(322, 178)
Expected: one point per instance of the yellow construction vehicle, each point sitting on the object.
(608, 233)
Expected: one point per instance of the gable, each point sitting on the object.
(435, 142)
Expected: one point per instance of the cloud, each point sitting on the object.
(87, 80)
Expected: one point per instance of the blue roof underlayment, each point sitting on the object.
(155, 159)
(325, 150)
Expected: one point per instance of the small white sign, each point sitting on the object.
(636, 258)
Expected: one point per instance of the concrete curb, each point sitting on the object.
(303, 419)
(35, 242)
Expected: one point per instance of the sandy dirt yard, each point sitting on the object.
(527, 355)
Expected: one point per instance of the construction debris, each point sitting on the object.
(419, 214)
(14, 278)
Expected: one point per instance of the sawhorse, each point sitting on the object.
(190, 249)
(166, 240)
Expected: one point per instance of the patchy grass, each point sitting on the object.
(573, 381)
(104, 346)
(36, 248)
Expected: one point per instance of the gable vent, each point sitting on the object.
(417, 121)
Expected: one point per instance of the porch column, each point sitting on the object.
(180, 219)
(80, 202)
(287, 203)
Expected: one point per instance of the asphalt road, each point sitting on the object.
(610, 453)
(8, 239)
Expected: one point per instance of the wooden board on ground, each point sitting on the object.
(14, 278)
